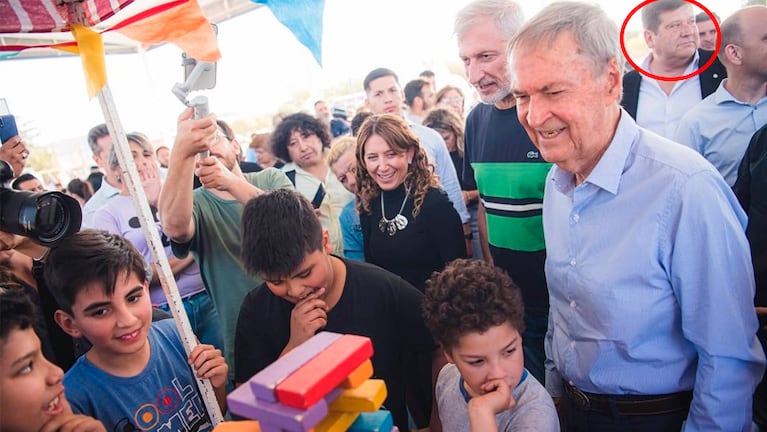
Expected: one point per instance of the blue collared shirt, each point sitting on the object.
(650, 281)
(720, 128)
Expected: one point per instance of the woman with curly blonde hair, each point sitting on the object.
(409, 226)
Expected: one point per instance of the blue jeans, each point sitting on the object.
(536, 324)
(203, 318)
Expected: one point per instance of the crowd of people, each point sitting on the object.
(583, 250)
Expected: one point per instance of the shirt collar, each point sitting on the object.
(607, 172)
(722, 95)
(692, 67)
(109, 190)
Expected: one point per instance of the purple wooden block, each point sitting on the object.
(279, 417)
(263, 383)
(266, 427)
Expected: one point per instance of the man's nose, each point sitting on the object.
(474, 72)
(537, 112)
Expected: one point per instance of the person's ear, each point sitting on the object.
(367, 102)
(410, 153)
(448, 357)
(733, 54)
(613, 78)
(419, 102)
(67, 323)
(649, 38)
(326, 245)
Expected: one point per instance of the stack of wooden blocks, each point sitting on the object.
(322, 385)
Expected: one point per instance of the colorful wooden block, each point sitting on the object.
(378, 421)
(369, 396)
(266, 427)
(238, 426)
(264, 382)
(326, 371)
(362, 373)
(336, 422)
(242, 402)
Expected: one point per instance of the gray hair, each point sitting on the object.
(135, 137)
(594, 32)
(507, 15)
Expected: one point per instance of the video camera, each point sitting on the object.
(45, 217)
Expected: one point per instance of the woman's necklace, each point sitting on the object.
(398, 223)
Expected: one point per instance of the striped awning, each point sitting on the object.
(40, 16)
(34, 28)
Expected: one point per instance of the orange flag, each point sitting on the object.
(181, 23)
(91, 50)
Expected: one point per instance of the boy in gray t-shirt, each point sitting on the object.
(476, 313)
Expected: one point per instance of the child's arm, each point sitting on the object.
(208, 362)
(482, 409)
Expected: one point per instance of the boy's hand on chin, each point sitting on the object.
(308, 316)
(498, 398)
(69, 422)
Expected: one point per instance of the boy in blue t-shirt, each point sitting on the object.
(136, 376)
(476, 313)
(31, 393)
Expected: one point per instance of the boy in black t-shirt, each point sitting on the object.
(307, 289)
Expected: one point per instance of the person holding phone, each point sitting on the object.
(302, 141)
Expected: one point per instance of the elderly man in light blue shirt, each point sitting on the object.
(721, 126)
(652, 324)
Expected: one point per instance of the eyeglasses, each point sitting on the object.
(220, 135)
(449, 100)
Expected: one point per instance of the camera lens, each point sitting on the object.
(46, 217)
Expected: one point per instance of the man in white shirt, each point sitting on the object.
(100, 143)
(672, 36)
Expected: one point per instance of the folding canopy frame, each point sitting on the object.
(46, 25)
(89, 27)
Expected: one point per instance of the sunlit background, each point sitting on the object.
(264, 70)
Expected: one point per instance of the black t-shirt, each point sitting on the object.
(430, 240)
(374, 303)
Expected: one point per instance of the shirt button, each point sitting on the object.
(576, 218)
(572, 304)
(572, 262)
(572, 344)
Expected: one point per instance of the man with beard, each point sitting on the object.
(502, 163)
(206, 221)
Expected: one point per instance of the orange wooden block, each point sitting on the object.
(238, 426)
(336, 422)
(367, 397)
(314, 380)
(359, 375)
